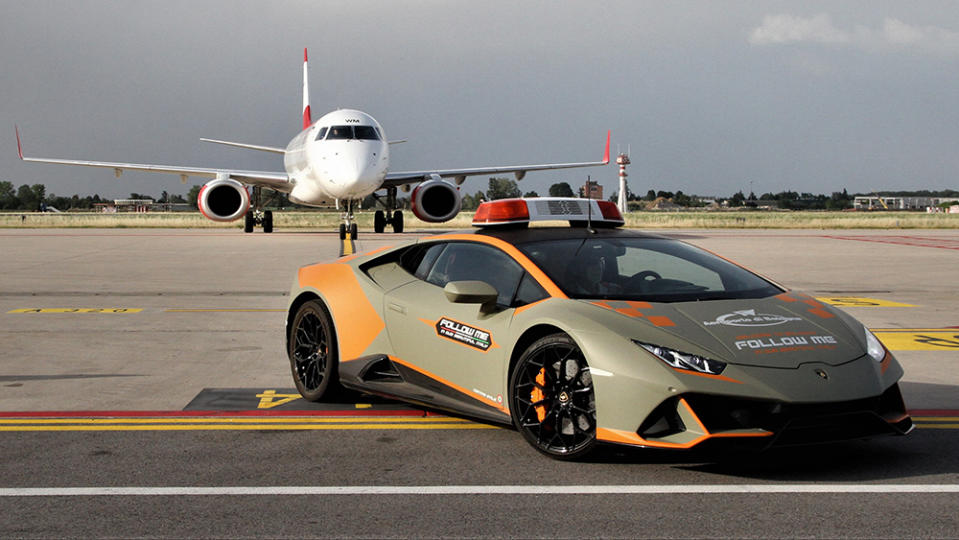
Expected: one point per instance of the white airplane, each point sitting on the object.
(342, 156)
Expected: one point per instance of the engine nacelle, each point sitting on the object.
(436, 200)
(223, 199)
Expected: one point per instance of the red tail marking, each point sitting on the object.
(606, 155)
(307, 121)
(19, 148)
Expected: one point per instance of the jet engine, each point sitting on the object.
(436, 200)
(223, 199)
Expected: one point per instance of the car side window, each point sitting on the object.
(529, 292)
(418, 259)
(465, 261)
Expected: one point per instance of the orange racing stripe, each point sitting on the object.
(347, 303)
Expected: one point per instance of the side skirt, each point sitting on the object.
(380, 376)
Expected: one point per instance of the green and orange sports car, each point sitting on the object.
(589, 333)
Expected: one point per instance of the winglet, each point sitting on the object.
(307, 120)
(609, 133)
(19, 147)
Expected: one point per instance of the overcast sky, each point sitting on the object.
(711, 97)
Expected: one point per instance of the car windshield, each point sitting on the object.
(648, 269)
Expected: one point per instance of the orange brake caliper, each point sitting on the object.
(537, 394)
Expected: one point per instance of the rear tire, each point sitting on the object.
(397, 221)
(248, 222)
(268, 221)
(313, 352)
(379, 222)
(552, 399)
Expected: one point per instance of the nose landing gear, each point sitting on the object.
(348, 225)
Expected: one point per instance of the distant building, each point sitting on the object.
(593, 190)
(899, 203)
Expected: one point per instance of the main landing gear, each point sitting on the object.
(390, 217)
(258, 216)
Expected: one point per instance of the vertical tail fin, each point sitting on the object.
(307, 121)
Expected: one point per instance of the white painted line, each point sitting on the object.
(479, 490)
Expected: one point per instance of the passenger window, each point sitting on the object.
(423, 268)
(418, 259)
(322, 133)
(529, 292)
(463, 261)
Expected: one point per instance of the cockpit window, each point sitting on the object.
(322, 133)
(367, 133)
(341, 132)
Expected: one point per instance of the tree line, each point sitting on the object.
(34, 198)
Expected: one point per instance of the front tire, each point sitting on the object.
(248, 222)
(312, 351)
(552, 399)
(354, 231)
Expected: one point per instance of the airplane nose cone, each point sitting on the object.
(356, 177)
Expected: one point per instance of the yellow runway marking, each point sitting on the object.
(941, 339)
(76, 310)
(936, 422)
(347, 247)
(855, 301)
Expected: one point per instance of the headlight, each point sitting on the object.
(875, 349)
(680, 360)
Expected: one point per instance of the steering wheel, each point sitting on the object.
(639, 280)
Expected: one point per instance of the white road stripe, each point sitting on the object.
(479, 490)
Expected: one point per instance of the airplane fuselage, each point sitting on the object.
(343, 155)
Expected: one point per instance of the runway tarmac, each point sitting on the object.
(119, 339)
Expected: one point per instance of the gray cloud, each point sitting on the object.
(892, 33)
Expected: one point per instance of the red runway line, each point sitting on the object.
(206, 414)
(938, 243)
(934, 412)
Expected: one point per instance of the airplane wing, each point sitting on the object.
(395, 179)
(278, 181)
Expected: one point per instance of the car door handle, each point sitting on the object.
(396, 307)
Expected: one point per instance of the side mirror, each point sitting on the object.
(470, 292)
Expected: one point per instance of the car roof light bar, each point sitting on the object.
(525, 211)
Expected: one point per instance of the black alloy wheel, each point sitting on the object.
(312, 351)
(552, 400)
